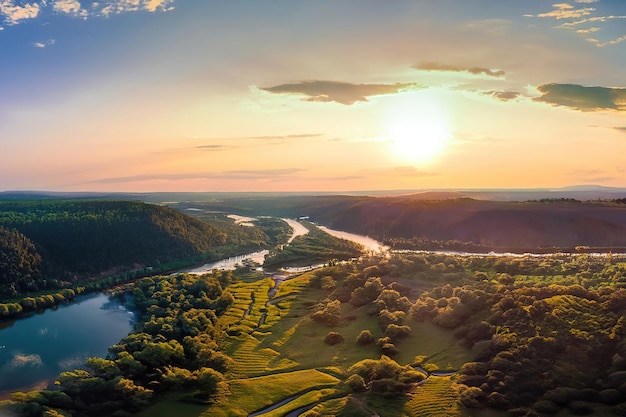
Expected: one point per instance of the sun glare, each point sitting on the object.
(417, 130)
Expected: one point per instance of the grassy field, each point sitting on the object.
(282, 357)
(252, 394)
(279, 353)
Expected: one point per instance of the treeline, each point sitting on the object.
(315, 246)
(47, 244)
(172, 348)
(40, 302)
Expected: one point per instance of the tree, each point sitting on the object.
(333, 338)
(365, 338)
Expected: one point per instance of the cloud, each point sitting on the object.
(339, 92)
(20, 361)
(503, 95)
(583, 98)
(154, 5)
(565, 11)
(299, 136)
(261, 174)
(13, 13)
(608, 43)
(601, 19)
(44, 44)
(589, 30)
(620, 129)
(435, 66)
(407, 171)
(268, 138)
(214, 147)
(579, 16)
(71, 7)
(110, 7)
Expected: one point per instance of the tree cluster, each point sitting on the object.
(173, 347)
(538, 348)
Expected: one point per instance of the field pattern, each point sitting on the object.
(252, 394)
(249, 307)
(435, 398)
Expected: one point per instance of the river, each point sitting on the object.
(37, 348)
(297, 229)
(370, 244)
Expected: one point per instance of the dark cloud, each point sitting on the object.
(504, 95)
(339, 92)
(620, 128)
(435, 66)
(583, 98)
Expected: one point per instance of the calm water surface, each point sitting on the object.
(40, 347)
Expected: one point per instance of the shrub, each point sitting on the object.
(546, 407)
(333, 338)
(365, 338)
(356, 383)
(389, 349)
(395, 332)
(471, 397)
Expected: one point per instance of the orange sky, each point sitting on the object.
(312, 96)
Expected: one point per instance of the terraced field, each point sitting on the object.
(435, 398)
(271, 340)
(249, 307)
(252, 359)
(252, 394)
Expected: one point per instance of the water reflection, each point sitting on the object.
(39, 347)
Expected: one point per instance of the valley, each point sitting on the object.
(364, 331)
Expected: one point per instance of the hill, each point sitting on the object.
(492, 225)
(74, 239)
(423, 221)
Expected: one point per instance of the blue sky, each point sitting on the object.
(165, 95)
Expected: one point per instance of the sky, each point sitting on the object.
(324, 95)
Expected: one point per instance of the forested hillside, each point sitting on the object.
(416, 222)
(41, 241)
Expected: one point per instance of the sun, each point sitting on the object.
(418, 131)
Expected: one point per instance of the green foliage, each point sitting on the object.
(84, 238)
(315, 246)
(329, 313)
(385, 376)
(20, 264)
(333, 338)
(365, 338)
(172, 348)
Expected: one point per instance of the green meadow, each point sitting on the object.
(285, 358)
